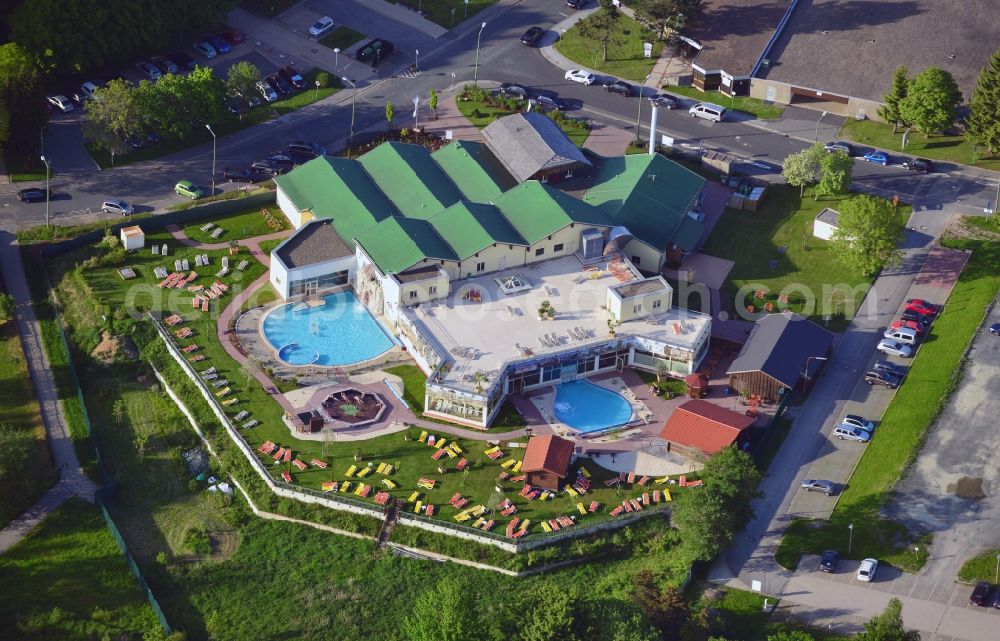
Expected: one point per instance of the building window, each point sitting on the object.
(557, 248)
(637, 308)
(480, 267)
(413, 294)
(539, 251)
(433, 290)
(656, 303)
(635, 260)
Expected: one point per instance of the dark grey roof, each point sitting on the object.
(780, 344)
(530, 142)
(645, 286)
(314, 242)
(828, 216)
(733, 33)
(420, 273)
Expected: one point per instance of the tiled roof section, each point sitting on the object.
(648, 194)
(314, 242)
(472, 227)
(705, 426)
(398, 243)
(528, 143)
(475, 171)
(337, 189)
(536, 210)
(410, 178)
(780, 345)
(548, 453)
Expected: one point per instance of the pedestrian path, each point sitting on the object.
(451, 119)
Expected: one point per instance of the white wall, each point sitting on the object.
(278, 277)
(822, 229)
(291, 212)
(131, 243)
(281, 277)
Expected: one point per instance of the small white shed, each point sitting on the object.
(133, 237)
(825, 224)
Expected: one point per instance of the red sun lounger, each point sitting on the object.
(277, 455)
(627, 505)
(287, 477)
(299, 464)
(635, 505)
(437, 455)
(430, 510)
(631, 478)
(461, 465)
(644, 480)
(593, 507)
(616, 511)
(318, 463)
(645, 498)
(656, 496)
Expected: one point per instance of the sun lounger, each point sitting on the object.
(627, 505)
(345, 487)
(566, 521)
(242, 415)
(682, 480)
(461, 465)
(571, 491)
(358, 490)
(220, 383)
(491, 450)
(656, 496)
(616, 511)
(593, 507)
(231, 401)
(389, 484)
(518, 479)
(510, 509)
(455, 498)
(381, 498)
(455, 448)
(417, 506)
(287, 477)
(299, 464)
(218, 232)
(516, 468)
(611, 482)
(207, 226)
(635, 505)
(427, 484)
(488, 525)
(389, 469)
(546, 527)
(645, 499)
(267, 447)
(462, 517)
(413, 497)
(437, 455)
(697, 483)
(365, 471)
(204, 305)
(351, 470)
(508, 463)
(318, 463)
(545, 495)
(631, 478)
(423, 436)
(580, 489)
(643, 481)
(380, 469)
(243, 265)
(189, 349)
(580, 508)
(431, 440)
(197, 359)
(511, 525)
(288, 455)
(223, 391)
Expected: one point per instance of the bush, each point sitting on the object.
(324, 79)
(197, 541)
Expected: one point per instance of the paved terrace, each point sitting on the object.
(500, 328)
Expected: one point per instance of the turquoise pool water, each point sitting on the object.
(339, 332)
(588, 408)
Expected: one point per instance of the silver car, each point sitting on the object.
(893, 348)
(818, 485)
(117, 207)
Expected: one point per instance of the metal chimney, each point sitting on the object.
(652, 131)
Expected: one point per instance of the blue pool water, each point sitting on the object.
(339, 332)
(588, 408)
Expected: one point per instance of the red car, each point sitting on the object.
(915, 326)
(232, 36)
(921, 306)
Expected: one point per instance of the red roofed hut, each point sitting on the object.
(546, 461)
(702, 426)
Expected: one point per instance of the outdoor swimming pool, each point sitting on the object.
(338, 332)
(589, 408)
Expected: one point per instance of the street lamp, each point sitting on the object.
(209, 127)
(638, 116)
(416, 58)
(475, 77)
(336, 59)
(916, 553)
(47, 190)
(466, 10)
(354, 98)
(821, 116)
(453, 16)
(818, 358)
(997, 578)
(850, 537)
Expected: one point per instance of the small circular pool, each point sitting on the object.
(589, 408)
(338, 331)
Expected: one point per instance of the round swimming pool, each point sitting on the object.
(340, 331)
(589, 408)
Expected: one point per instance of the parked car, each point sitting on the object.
(920, 306)
(31, 195)
(284, 161)
(149, 70)
(886, 366)
(515, 89)
(304, 146)
(664, 101)
(292, 76)
(818, 485)
(89, 90)
(375, 51)
(708, 111)
(232, 36)
(61, 102)
(235, 104)
(620, 87)
(904, 335)
(848, 433)
(265, 90)
(188, 189)
(321, 27)
(233, 174)
(582, 76)
(867, 570)
(875, 377)
(980, 594)
(828, 562)
(920, 319)
(995, 329)
(877, 157)
(77, 96)
(546, 101)
(577, 4)
(205, 49)
(267, 167)
(892, 348)
(532, 36)
(839, 145)
(182, 60)
(218, 43)
(283, 87)
(164, 64)
(859, 422)
(907, 324)
(919, 164)
(117, 207)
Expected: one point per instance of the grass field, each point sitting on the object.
(935, 146)
(448, 13)
(753, 106)
(930, 380)
(806, 269)
(480, 115)
(67, 580)
(341, 38)
(238, 226)
(625, 59)
(982, 567)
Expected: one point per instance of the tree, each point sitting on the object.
(446, 612)
(801, 168)
(241, 78)
(176, 105)
(604, 26)
(889, 111)
(982, 126)
(663, 15)
(665, 609)
(553, 622)
(116, 117)
(432, 102)
(790, 635)
(390, 111)
(22, 100)
(888, 626)
(867, 234)
(931, 100)
(6, 308)
(835, 172)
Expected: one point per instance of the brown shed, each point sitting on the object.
(706, 427)
(546, 461)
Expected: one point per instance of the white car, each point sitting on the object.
(867, 570)
(265, 90)
(62, 103)
(859, 422)
(321, 27)
(894, 348)
(89, 89)
(582, 76)
(117, 207)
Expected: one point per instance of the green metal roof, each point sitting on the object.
(536, 210)
(410, 178)
(688, 234)
(337, 189)
(396, 244)
(472, 227)
(650, 195)
(475, 171)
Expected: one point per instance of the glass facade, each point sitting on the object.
(309, 286)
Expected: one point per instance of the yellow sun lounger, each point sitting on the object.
(359, 489)
(524, 524)
(345, 487)
(478, 510)
(495, 448)
(389, 469)
(450, 452)
(585, 471)
(389, 484)
(365, 471)
(351, 470)
(455, 447)
(666, 496)
(464, 516)
(571, 491)
(440, 443)
(516, 468)
(581, 509)
(380, 469)
(506, 464)
(662, 481)
(413, 497)
(230, 401)
(416, 508)
(545, 494)
(545, 526)
(423, 436)
(478, 522)
(223, 392)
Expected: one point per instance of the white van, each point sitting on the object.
(903, 335)
(708, 111)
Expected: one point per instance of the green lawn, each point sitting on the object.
(341, 38)
(240, 225)
(930, 380)
(55, 233)
(229, 124)
(740, 615)
(982, 567)
(448, 13)
(752, 106)
(26, 479)
(625, 60)
(935, 146)
(67, 580)
(481, 114)
(25, 169)
(806, 271)
(268, 8)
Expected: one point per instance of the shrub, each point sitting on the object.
(197, 541)
(324, 79)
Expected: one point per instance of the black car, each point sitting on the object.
(283, 160)
(235, 104)
(165, 64)
(283, 86)
(31, 195)
(829, 560)
(375, 51)
(577, 4)
(980, 594)
(664, 101)
(532, 36)
(919, 164)
(514, 89)
(915, 317)
(995, 329)
(891, 368)
(267, 167)
(620, 86)
(293, 77)
(242, 175)
(272, 82)
(839, 145)
(881, 377)
(551, 102)
(182, 60)
(299, 156)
